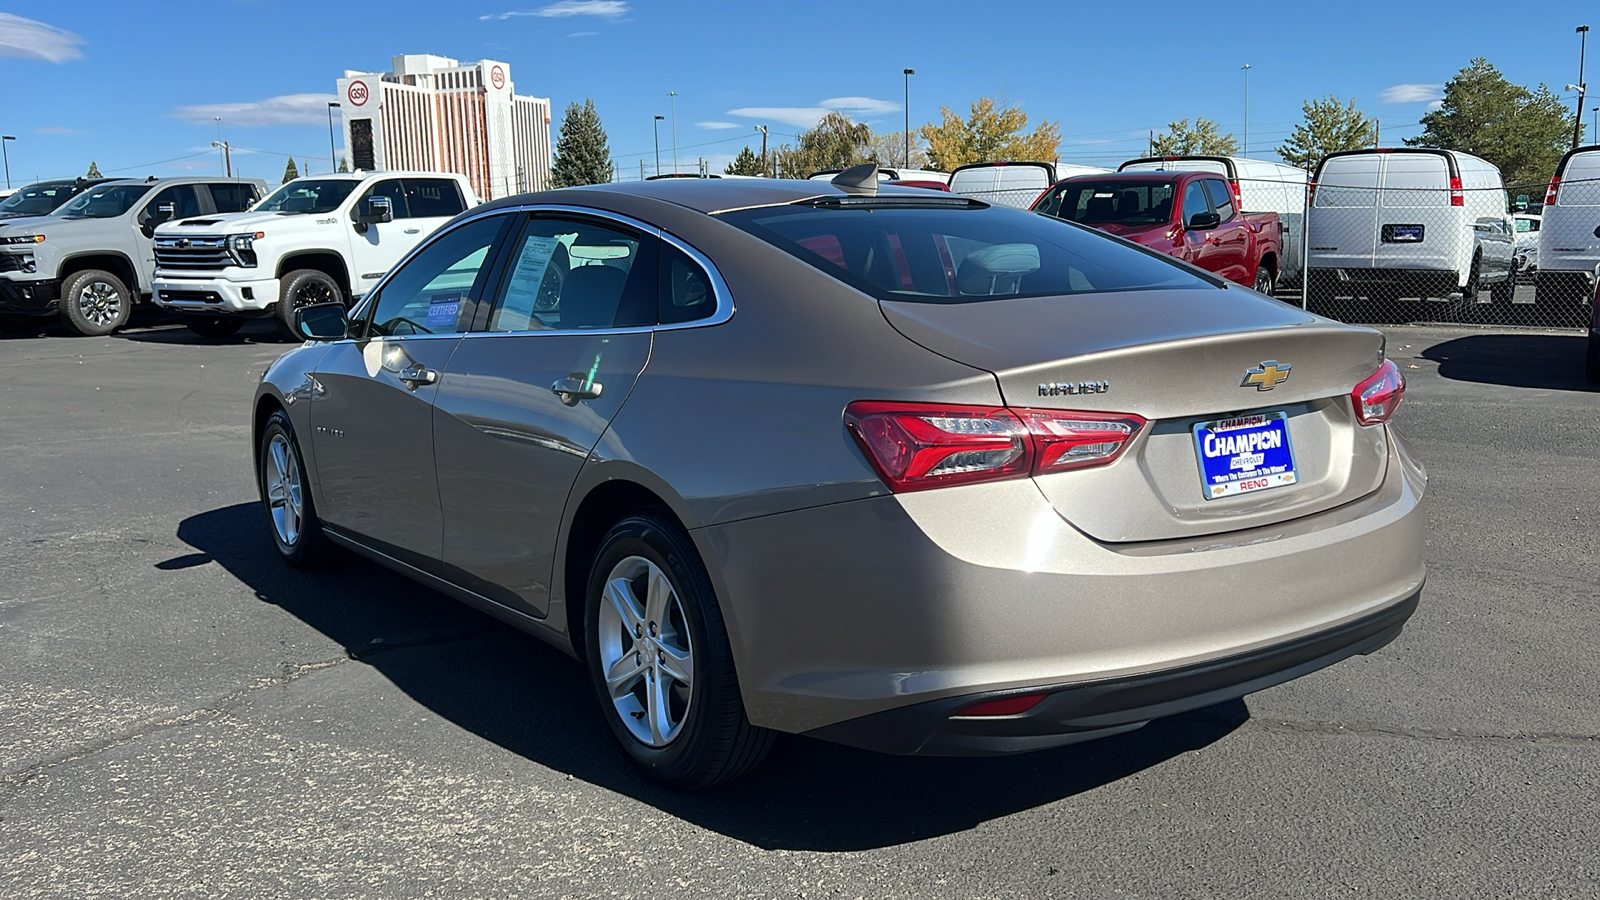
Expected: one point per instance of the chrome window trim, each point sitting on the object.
(719, 287)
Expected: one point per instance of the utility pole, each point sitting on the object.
(656, 127)
(1246, 68)
(763, 130)
(674, 98)
(333, 154)
(908, 73)
(227, 158)
(4, 140)
(1377, 133)
(1595, 136)
(1583, 49)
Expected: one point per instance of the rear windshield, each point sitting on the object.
(958, 255)
(1110, 201)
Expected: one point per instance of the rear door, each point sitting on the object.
(1569, 237)
(1417, 226)
(1230, 240)
(526, 399)
(1342, 222)
(1014, 184)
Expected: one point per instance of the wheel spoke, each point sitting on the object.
(675, 664)
(657, 597)
(659, 710)
(619, 593)
(624, 673)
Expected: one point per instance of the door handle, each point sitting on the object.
(413, 230)
(416, 375)
(575, 387)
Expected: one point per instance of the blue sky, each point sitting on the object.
(135, 85)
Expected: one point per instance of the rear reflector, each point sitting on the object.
(1376, 398)
(1002, 706)
(917, 446)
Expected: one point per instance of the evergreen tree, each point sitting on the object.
(988, 134)
(582, 156)
(344, 164)
(1329, 127)
(94, 170)
(1522, 132)
(290, 172)
(746, 163)
(1200, 140)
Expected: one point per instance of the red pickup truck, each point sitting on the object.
(1191, 215)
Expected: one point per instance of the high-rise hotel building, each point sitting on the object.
(434, 114)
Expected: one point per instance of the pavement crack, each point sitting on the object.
(1371, 729)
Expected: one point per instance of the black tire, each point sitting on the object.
(213, 326)
(304, 287)
(95, 302)
(1592, 360)
(716, 742)
(308, 547)
(1469, 293)
(1264, 281)
(1502, 291)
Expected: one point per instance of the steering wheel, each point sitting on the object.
(549, 296)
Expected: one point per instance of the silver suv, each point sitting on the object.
(93, 258)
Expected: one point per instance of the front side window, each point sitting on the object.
(104, 202)
(395, 191)
(566, 274)
(232, 198)
(182, 197)
(307, 195)
(956, 254)
(431, 292)
(38, 199)
(1221, 198)
(431, 198)
(1194, 202)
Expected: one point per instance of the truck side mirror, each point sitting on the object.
(1204, 221)
(375, 209)
(165, 212)
(322, 322)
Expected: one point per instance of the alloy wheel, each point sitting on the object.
(100, 302)
(645, 652)
(313, 292)
(281, 475)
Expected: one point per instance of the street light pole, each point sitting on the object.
(227, 158)
(333, 153)
(908, 73)
(1595, 136)
(763, 130)
(4, 138)
(656, 127)
(1246, 109)
(674, 96)
(1583, 49)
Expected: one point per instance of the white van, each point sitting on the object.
(1433, 222)
(1015, 184)
(1259, 186)
(1569, 239)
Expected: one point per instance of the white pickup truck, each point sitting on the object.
(313, 240)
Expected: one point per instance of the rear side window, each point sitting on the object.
(952, 254)
(1194, 201)
(1221, 197)
(230, 198)
(432, 198)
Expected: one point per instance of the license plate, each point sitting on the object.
(1402, 234)
(1244, 454)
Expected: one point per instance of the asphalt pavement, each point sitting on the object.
(183, 716)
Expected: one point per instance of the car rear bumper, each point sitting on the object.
(893, 611)
(28, 297)
(1081, 711)
(216, 296)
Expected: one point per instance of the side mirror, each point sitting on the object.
(166, 212)
(1204, 221)
(322, 322)
(374, 210)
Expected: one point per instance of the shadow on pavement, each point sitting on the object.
(533, 700)
(1550, 361)
(255, 331)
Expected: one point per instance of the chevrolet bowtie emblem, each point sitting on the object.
(1266, 376)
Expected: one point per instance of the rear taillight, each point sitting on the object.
(1311, 192)
(1376, 398)
(916, 446)
(1238, 198)
(1456, 197)
(1550, 195)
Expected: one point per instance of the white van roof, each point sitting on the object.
(1453, 158)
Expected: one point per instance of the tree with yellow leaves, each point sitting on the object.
(990, 133)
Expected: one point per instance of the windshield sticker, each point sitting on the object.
(535, 258)
(443, 308)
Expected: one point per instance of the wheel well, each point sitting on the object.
(604, 507)
(1270, 261)
(116, 265)
(264, 410)
(330, 264)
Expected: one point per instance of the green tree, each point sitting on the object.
(989, 133)
(890, 150)
(1201, 140)
(833, 143)
(1329, 127)
(746, 163)
(582, 155)
(344, 164)
(290, 171)
(94, 170)
(1522, 132)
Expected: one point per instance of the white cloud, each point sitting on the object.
(27, 39)
(807, 116)
(718, 125)
(1411, 93)
(583, 34)
(606, 9)
(58, 129)
(289, 109)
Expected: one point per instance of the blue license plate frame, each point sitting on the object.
(1245, 454)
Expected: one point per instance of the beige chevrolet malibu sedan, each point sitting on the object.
(876, 465)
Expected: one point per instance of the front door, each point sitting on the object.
(523, 404)
(372, 421)
(1230, 241)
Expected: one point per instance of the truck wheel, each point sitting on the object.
(1502, 291)
(1469, 293)
(95, 302)
(213, 326)
(1264, 281)
(304, 287)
